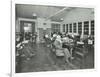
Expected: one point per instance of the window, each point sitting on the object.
(63, 27)
(79, 27)
(74, 27)
(55, 27)
(86, 27)
(92, 27)
(70, 25)
(27, 27)
(66, 27)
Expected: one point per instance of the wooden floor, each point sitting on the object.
(45, 60)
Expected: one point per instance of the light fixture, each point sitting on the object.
(34, 15)
(61, 19)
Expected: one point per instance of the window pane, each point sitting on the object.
(55, 27)
(74, 27)
(92, 27)
(66, 27)
(63, 27)
(79, 27)
(70, 25)
(86, 27)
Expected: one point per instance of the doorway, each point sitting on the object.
(27, 28)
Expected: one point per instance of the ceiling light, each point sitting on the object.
(34, 14)
(61, 19)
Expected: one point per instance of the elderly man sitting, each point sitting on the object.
(61, 52)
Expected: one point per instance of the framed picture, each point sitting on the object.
(51, 38)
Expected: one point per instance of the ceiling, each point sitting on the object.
(26, 11)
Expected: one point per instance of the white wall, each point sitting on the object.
(79, 14)
(41, 21)
(17, 26)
